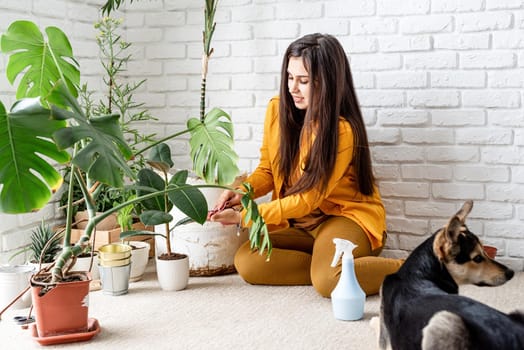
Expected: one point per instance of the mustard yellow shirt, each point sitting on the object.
(341, 197)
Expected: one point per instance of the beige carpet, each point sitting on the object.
(224, 312)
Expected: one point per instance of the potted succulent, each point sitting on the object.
(45, 245)
(47, 126)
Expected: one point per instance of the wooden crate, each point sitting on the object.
(111, 236)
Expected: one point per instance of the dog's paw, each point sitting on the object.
(375, 323)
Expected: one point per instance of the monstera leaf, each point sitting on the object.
(212, 147)
(34, 138)
(27, 178)
(38, 62)
(104, 152)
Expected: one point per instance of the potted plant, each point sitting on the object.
(47, 126)
(45, 245)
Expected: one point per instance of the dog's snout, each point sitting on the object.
(509, 274)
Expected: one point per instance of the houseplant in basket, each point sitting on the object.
(211, 246)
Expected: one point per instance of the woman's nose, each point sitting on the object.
(293, 86)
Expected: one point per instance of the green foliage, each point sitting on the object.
(37, 61)
(112, 5)
(105, 157)
(258, 232)
(45, 243)
(25, 142)
(212, 147)
(188, 199)
(119, 98)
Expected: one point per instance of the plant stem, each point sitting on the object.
(209, 29)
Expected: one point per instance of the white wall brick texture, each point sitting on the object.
(440, 84)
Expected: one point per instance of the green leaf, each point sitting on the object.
(214, 158)
(258, 232)
(150, 182)
(160, 157)
(155, 217)
(39, 63)
(127, 234)
(105, 153)
(27, 177)
(189, 200)
(179, 178)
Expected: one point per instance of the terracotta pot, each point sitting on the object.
(64, 308)
(491, 251)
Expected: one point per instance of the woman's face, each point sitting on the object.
(298, 82)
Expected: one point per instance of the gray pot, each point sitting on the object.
(115, 279)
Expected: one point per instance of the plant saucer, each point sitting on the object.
(93, 328)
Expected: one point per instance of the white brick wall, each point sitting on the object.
(440, 83)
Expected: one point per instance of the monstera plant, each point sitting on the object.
(46, 126)
(47, 129)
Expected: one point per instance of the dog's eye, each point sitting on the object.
(478, 259)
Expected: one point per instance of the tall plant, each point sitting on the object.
(216, 164)
(46, 125)
(118, 98)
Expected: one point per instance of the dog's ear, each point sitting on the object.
(445, 244)
(464, 211)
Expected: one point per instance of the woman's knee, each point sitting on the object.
(324, 283)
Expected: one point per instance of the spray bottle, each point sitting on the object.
(348, 297)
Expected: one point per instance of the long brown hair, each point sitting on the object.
(332, 94)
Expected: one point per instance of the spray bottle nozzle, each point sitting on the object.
(342, 247)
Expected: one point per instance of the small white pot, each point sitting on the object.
(139, 259)
(13, 280)
(173, 274)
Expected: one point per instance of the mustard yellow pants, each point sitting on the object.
(302, 257)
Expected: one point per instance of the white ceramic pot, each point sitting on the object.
(13, 280)
(83, 263)
(139, 259)
(173, 274)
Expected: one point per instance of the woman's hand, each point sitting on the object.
(227, 199)
(227, 216)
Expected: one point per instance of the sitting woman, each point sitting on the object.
(315, 160)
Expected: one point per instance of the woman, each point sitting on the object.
(315, 160)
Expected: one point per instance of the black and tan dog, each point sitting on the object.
(420, 305)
